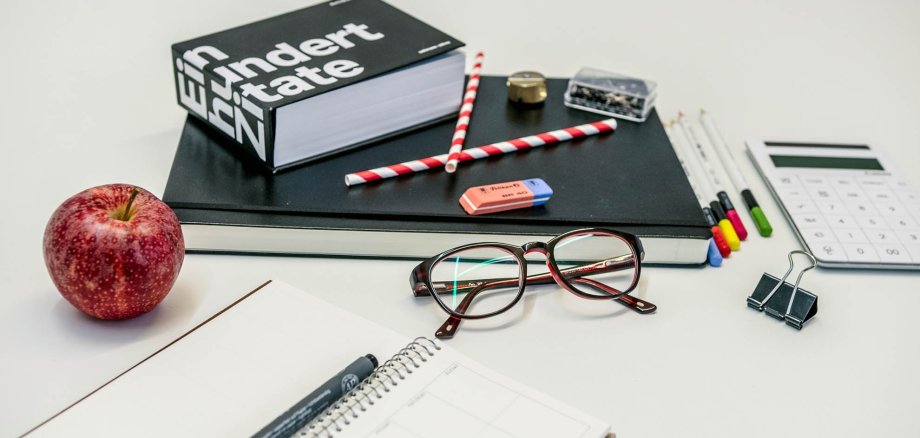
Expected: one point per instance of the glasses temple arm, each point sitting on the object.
(637, 304)
(449, 328)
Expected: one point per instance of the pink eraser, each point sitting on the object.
(736, 223)
(505, 196)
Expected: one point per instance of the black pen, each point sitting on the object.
(328, 393)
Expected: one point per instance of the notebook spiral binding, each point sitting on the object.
(333, 420)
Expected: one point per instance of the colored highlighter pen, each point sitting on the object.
(731, 168)
(730, 235)
(714, 257)
(718, 238)
(732, 215)
(709, 172)
(760, 219)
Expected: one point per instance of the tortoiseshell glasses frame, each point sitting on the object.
(571, 279)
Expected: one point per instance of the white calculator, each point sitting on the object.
(846, 203)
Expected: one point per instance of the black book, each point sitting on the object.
(630, 180)
(318, 80)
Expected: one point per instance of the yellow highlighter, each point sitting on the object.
(726, 226)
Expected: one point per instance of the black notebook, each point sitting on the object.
(629, 180)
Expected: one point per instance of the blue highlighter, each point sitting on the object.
(715, 258)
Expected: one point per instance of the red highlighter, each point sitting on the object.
(505, 196)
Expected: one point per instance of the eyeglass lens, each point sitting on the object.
(596, 264)
(477, 281)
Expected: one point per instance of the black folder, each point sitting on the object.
(630, 180)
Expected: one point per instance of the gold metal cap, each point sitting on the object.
(527, 87)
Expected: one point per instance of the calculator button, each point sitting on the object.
(861, 208)
(887, 208)
(851, 235)
(842, 182)
(814, 181)
(800, 206)
(880, 195)
(839, 221)
(914, 251)
(851, 195)
(792, 193)
(907, 196)
(914, 209)
(893, 253)
(901, 222)
(831, 207)
(860, 252)
(787, 181)
(808, 220)
(821, 193)
(870, 182)
(881, 236)
(818, 235)
(831, 252)
(872, 222)
(911, 237)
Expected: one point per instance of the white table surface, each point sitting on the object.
(88, 99)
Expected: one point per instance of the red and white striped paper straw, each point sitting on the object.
(489, 150)
(463, 122)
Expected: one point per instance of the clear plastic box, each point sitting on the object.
(611, 94)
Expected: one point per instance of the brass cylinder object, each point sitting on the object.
(527, 88)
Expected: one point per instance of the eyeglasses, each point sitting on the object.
(485, 279)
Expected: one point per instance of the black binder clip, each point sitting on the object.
(785, 301)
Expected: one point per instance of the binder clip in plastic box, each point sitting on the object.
(611, 94)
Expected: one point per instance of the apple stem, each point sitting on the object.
(127, 213)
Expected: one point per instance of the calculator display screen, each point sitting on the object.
(826, 162)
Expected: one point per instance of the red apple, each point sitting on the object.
(114, 251)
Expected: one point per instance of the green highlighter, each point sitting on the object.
(760, 219)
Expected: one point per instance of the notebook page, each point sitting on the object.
(233, 375)
(452, 396)
(239, 371)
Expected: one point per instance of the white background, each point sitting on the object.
(88, 99)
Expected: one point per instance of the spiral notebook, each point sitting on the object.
(251, 362)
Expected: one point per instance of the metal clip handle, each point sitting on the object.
(795, 288)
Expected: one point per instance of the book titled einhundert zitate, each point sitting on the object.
(319, 80)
